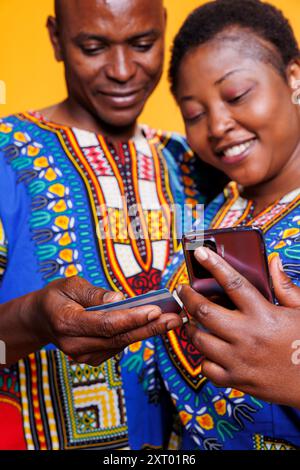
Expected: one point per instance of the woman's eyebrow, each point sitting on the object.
(231, 72)
(218, 82)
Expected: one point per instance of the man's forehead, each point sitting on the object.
(72, 8)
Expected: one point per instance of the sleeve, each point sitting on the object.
(3, 251)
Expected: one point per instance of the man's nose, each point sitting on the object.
(121, 66)
(220, 121)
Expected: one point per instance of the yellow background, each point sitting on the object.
(34, 80)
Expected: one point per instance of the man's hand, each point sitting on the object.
(56, 314)
(252, 348)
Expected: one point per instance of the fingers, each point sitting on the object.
(213, 348)
(242, 293)
(166, 322)
(286, 292)
(74, 321)
(82, 346)
(218, 320)
(216, 373)
(82, 292)
(95, 359)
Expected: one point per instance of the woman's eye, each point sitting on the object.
(194, 119)
(238, 98)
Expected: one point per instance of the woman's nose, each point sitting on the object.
(220, 122)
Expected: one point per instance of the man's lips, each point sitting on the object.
(122, 99)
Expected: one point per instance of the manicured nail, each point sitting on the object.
(172, 324)
(201, 254)
(185, 320)
(110, 297)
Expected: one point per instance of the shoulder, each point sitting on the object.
(7, 126)
(173, 143)
(20, 122)
(11, 126)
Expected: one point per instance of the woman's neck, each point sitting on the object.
(285, 181)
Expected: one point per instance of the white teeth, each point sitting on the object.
(237, 149)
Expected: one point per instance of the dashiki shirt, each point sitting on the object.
(57, 185)
(226, 419)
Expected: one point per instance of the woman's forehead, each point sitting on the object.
(230, 50)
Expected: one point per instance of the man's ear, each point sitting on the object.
(165, 18)
(53, 30)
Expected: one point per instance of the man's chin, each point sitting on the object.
(120, 119)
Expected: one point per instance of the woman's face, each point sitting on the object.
(238, 112)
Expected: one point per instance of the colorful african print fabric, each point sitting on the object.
(3, 250)
(227, 419)
(63, 211)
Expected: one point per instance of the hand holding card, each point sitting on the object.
(163, 298)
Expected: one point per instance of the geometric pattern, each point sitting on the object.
(73, 179)
(267, 443)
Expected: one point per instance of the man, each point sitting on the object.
(68, 176)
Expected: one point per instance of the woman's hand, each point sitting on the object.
(56, 314)
(255, 348)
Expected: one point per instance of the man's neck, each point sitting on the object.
(73, 115)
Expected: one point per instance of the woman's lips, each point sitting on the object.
(237, 153)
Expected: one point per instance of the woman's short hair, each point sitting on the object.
(207, 21)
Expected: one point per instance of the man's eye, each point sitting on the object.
(92, 50)
(143, 47)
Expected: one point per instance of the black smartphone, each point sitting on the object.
(242, 247)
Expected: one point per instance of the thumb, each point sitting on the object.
(85, 294)
(286, 292)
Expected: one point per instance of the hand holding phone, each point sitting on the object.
(242, 247)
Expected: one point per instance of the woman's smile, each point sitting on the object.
(236, 152)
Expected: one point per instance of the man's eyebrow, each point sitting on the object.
(144, 34)
(98, 37)
(228, 74)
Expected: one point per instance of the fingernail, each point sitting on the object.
(154, 315)
(279, 264)
(153, 312)
(185, 320)
(201, 254)
(172, 324)
(110, 297)
(179, 288)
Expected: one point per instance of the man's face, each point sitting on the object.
(113, 51)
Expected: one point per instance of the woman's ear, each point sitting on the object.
(293, 77)
(53, 30)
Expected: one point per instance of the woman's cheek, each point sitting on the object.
(196, 139)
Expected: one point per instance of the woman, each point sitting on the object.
(234, 71)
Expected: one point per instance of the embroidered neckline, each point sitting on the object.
(233, 190)
(143, 131)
